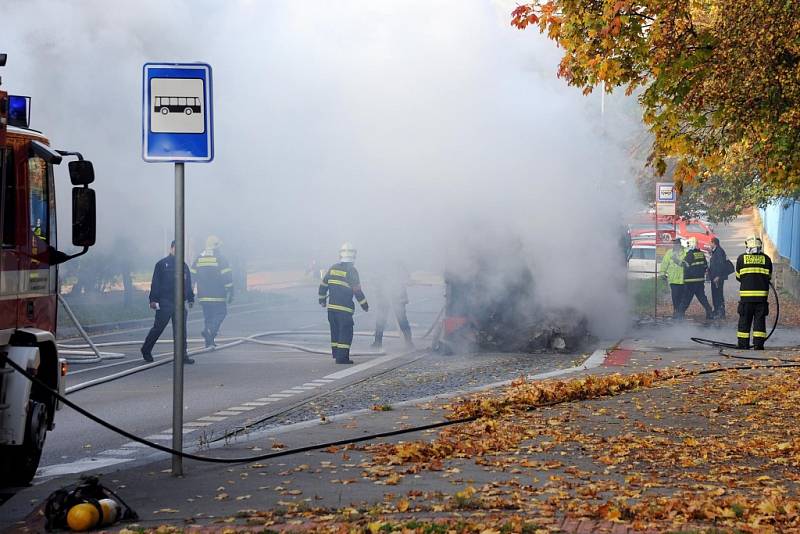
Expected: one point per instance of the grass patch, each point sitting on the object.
(641, 293)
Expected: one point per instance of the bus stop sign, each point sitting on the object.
(177, 112)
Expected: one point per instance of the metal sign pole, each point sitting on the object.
(178, 321)
(655, 268)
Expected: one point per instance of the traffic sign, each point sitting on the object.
(666, 197)
(177, 112)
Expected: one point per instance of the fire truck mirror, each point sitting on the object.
(81, 172)
(84, 219)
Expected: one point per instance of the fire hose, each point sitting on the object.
(307, 448)
(226, 343)
(722, 344)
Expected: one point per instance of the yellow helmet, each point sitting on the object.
(213, 242)
(753, 244)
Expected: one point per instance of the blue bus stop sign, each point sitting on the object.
(177, 112)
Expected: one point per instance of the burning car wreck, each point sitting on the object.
(490, 305)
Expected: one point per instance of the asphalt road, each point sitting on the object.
(219, 386)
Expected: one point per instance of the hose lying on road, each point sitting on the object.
(231, 342)
(307, 448)
(722, 344)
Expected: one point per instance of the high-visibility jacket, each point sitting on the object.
(672, 266)
(754, 271)
(694, 266)
(214, 277)
(339, 285)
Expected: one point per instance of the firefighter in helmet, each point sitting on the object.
(695, 266)
(754, 272)
(336, 291)
(214, 287)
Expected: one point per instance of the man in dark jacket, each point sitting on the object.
(162, 300)
(717, 274)
(336, 291)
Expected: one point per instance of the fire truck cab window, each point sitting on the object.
(8, 197)
(39, 198)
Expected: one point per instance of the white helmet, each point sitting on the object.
(753, 244)
(691, 243)
(347, 253)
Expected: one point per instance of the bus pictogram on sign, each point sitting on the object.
(177, 104)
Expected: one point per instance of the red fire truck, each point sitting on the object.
(29, 257)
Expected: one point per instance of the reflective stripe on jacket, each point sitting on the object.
(694, 267)
(214, 277)
(754, 272)
(340, 284)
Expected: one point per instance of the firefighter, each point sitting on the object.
(336, 291)
(694, 278)
(162, 300)
(214, 287)
(391, 291)
(672, 269)
(754, 272)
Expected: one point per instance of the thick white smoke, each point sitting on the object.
(400, 126)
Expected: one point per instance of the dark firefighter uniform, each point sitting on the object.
(694, 280)
(214, 290)
(754, 272)
(339, 285)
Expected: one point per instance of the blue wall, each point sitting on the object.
(781, 221)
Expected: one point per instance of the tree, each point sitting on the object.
(719, 80)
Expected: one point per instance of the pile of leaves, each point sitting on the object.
(667, 450)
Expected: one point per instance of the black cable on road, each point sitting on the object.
(722, 344)
(308, 448)
(289, 409)
(239, 460)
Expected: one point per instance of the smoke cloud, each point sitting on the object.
(407, 128)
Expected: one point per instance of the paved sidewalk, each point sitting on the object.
(589, 466)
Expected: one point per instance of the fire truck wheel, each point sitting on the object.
(21, 462)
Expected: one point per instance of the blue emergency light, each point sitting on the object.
(19, 111)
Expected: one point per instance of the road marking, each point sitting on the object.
(197, 424)
(360, 367)
(288, 392)
(132, 444)
(212, 418)
(254, 403)
(242, 408)
(311, 385)
(281, 395)
(227, 412)
(155, 437)
(79, 466)
(265, 399)
(323, 381)
(117, 452)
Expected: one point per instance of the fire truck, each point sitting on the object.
(29, 259)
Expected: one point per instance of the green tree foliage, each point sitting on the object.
(719, 80)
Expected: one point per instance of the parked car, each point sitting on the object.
(642, 263)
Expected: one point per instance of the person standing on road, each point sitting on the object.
(694, 278)
(162, 300)
(754, 272)
(336, 291)
(214, 287)
(672, 269)
(717, 274)
(391, 291)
